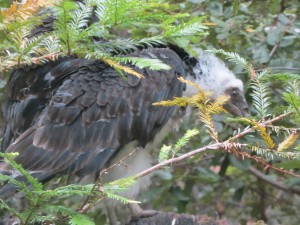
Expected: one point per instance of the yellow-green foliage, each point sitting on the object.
(201, 101)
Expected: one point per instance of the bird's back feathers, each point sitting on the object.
(85, 112)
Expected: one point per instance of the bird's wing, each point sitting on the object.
(28, 91)
(95, 112)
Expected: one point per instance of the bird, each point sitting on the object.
(76, 117)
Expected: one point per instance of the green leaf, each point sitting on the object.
(274, 6)
(81, 219)
(235, 7)
(240, 164)
(207, 175)
(153, 64)
(288, 165)
(273, 36)
(164, 153)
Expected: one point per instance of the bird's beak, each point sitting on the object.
(237, 106)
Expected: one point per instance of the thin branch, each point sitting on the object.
(85, 206)
(274, 183)
(263, 162)
(227, 146)
(163, 164)
(250, 130)
(283, 33)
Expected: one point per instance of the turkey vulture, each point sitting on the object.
(77, 116)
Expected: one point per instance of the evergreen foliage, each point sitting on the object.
(271, 136)
(74, 35)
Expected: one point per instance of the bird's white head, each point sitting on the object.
(212, 75)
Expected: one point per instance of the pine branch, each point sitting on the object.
(288, 142)
(262, 131)
(236, 58)
(153, 64)
(22, 12)
(262, 124)
(261, 96)
(124, 68)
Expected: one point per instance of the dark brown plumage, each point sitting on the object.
(73, 115)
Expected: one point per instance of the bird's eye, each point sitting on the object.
(234, 94)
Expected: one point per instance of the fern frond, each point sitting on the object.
(110, 189)
(120, 198)
(45, 219)
(231, 56)
(292, 97)
(177, 101)
(185, 139)
(64, 191)
(293, 86)
(124, 68)
(262, 131)
(21, 12)
(199, 100)
(102, 10)
(236, 58)
(5, 206)
(68, 35)
(205, 117)
(36, 185)
(123, 183)
(75, 217)
(216, 106)
(209, 108)
(125, 45)
(186, 30)
(153, 64)
(181, 79)
(51, 44)
(164, 153)
(81, 15)
(271, 154)
(63, 210)
(288, 142)
(151, 41)
(80, 219)
(261, 96)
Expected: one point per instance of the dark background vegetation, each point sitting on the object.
(266, 33)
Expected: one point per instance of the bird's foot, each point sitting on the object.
(138, 212)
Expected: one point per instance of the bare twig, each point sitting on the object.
(274, 183)
(264, 163)
(275, 47)
(85, 206)
(179, 158)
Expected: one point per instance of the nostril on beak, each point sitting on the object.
(246, 111)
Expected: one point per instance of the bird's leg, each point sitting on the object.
(137, 211)
(112, 217)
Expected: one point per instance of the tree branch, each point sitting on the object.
(250, 130)
(182, 157)
(274, 183)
